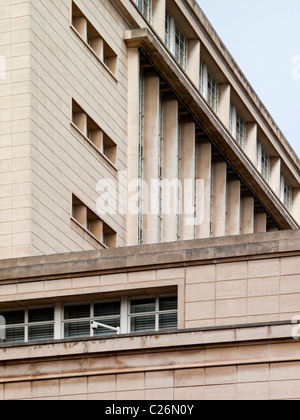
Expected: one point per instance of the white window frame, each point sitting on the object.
(208, 87)
(89, 319)
(179, 189)
(145, 7)
(26, 324)
(141, 159)
(59, 320)
(263, 163)
(155, 313)
(160, 171)
(172, 33)
(237, 128)
(286, 192)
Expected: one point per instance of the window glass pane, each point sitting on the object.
(265, 165)
(77, 311)
(168, 321)
(77, 329)
(180, 47)
(41, 332)
(167, 30)
(104, 309)
(142, 305)
(168, 303)
(240, 132)
(113, 322)
(212, 92)
(13, 317)
(143, 323)
(13, 334)
(40, 315)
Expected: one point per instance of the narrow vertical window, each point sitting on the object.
(208, 87)
(145, 6)
(263, 163)
(168, 31)
(195, 190)
(176, 41)
(180, 47)
(160, 171)
(141, 161)
(286, 193)
(237, 127)
(201, 78)
(240, 132)
(212, 92)
(179, 203)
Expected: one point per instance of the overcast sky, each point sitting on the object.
(263, 36)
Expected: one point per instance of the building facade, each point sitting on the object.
(149, 210)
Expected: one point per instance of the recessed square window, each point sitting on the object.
(93, 39)
(93, 224)
(91, 130)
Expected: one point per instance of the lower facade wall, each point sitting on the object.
(254, 381)
(236, 300)
(248, 369)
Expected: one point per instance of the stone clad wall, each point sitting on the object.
(245, 363)
(235, 337)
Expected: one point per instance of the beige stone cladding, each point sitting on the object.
(16, 172)
(236, 364)
(237, 299)
(65, 68)
(44, 158)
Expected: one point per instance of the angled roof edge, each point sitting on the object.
(210, 31)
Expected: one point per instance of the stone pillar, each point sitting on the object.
(151, 152)
(158, 17)
(224, 104)
(188, 148)
(170, 170)
(193, 61)
(275, 178)
(204, 196)
(233, 207)
(260, 222)
(296, 204)
(247, 215)
(219, 199)
(133, 136)
(251, 143)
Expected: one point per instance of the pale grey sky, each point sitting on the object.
(263, 36)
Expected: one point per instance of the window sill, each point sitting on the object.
(95, 55)
(96, 148)
(88, 232)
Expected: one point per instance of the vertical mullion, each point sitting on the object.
(92, 333)
(58, 325)
(26, 335)
(157, 313)
(124, 322)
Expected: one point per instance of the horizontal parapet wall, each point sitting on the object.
(219, 282)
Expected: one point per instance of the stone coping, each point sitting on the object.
(149, 257)
(149, 342)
